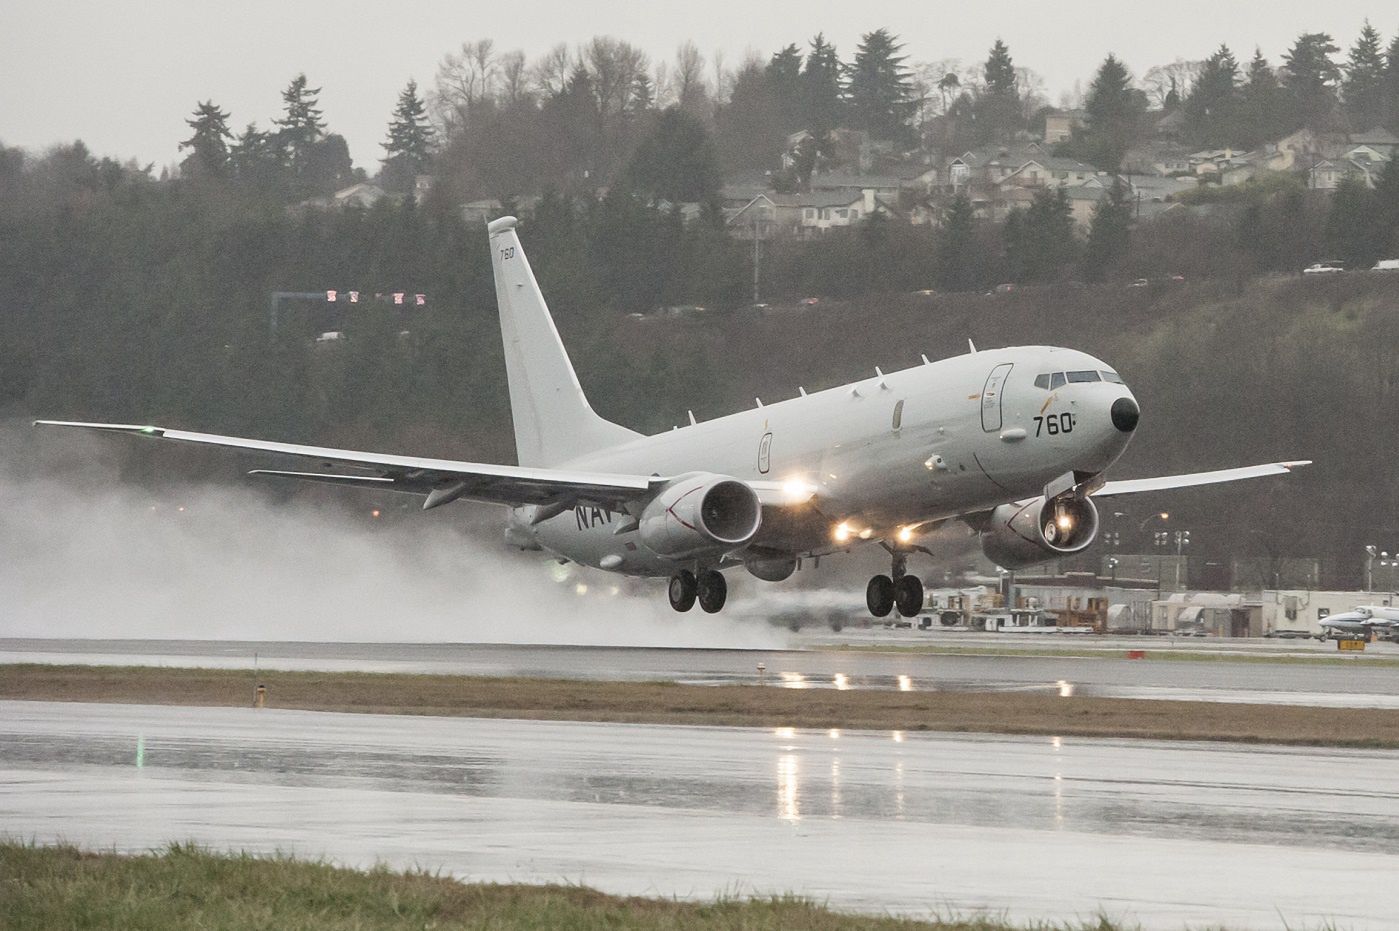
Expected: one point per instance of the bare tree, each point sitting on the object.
(550, 74)
(1180, 74)
(691, 94)
(613, 66)
(514, 78)
(464, 80)
(664, 86)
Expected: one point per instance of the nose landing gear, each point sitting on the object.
(896, 590)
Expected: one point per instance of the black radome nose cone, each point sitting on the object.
(1125, 414)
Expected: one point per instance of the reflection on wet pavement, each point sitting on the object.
(908, 822)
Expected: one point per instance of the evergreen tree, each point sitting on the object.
(1039, 240)
(879, 91)
(408, 149)
(1386, 211)
(1261, 106)
(1108, 234)
(1391, 86)
(1351, 224)
(1210, 108)
(1171, 102)
(255, 158)
(300, 126)
(676, 161)
(1115, 110)
(998, 110)
(784, 86)
(956, 246)
(1364, 85)
(208, 157)
(821, 88)
(1310, 78)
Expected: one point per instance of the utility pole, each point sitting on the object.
(757, 256)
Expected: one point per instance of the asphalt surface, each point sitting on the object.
(1352, 682)
(1168, 834)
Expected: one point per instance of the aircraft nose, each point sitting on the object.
(1125, 414)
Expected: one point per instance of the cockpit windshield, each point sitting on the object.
(1049, 381)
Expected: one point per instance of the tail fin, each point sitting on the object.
(553, 421)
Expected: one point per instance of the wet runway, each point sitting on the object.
(1360, 683)
(1037, 828)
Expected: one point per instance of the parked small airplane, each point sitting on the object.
(1012, 441)
(1378, 620)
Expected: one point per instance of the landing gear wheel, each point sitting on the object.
(713, 591)
(908, 595)
(682, 590)
(879, 595)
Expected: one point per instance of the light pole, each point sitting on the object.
(1370, 554)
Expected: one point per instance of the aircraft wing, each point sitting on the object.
(1166, 482)
(441, 480)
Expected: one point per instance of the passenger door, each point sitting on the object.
(991, 397)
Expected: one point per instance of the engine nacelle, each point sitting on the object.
(1020, 535)
(700, 514)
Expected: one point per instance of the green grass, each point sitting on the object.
(185, 886)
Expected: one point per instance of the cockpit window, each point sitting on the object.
(1113, 377)
(1042, 381)
(1076, 378)
(1056, 381)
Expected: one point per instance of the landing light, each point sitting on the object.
(796, 490)
(866, 533)
(1065, 522)
(842, 532)
(905, 534)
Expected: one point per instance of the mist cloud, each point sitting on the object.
(84, 554)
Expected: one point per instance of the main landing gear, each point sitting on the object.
(896, 590)
(708, 588)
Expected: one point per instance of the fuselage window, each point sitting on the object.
(1113, 377)
(1076, 378)
(1042, 381)
(1056, 381)
(898, 415)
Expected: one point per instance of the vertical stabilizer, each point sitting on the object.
(553, 421)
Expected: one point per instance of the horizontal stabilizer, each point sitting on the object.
(1134, 486)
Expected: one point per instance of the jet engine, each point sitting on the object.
(700, 514)
(1020, 535)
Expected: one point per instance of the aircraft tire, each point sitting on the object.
(713, 591)
(879, 596)
(908, 595)
(682, 590)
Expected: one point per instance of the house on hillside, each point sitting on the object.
(1379, 140)
(806, 215)
(362, 195)
(1327, 174)
(1049, 171)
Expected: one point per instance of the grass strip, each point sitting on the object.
(1149, 652)
(726, 705)
(184, 886)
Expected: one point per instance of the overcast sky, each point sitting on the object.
(124, 76)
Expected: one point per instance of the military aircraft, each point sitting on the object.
(1014, 442)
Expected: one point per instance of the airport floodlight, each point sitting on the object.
(1371, 550)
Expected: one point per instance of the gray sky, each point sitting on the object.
(123, 77)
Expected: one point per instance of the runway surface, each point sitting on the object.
(1036, 828)
(1359, 683)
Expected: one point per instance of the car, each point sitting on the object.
(1386, 265)
(759, 306)
(926, 292)
(1324, 268)
(809, 301)
(1139, 283)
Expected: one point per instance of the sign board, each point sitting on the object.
(1351, 645)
